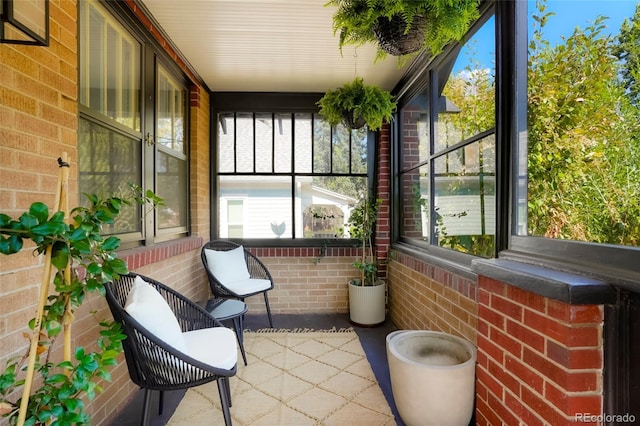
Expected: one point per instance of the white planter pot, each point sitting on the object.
(367, 304)
(432, 377)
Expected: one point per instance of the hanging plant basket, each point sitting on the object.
(356, 104)
(395, 39)
(403, 27)
(352, 122)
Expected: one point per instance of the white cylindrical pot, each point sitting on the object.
(432, 377)
(367, 304)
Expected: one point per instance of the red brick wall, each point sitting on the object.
(539, 360)
(383, 185)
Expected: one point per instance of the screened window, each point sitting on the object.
(447, 151)
(286, 167)
(123, 141)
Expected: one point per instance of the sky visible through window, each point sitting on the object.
(568, 14)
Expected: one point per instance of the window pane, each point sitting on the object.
(171, 186)
(226, 143)
(283, 143)
(323, 204)
(108, 163)
(267, 202)
(340, 148)
(359, 150)
(321, 146)
(464, 198)
(304, 142)
(110, 66)
(415, 204)
(466, 105)
(264, 143)
(244, 143)
(583, 142)
(414, 124)
(170, 116)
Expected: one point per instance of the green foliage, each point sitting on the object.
(627, 51)
(92, 261)
(370, 103)
(584, 139)
(447, 20)
(362, 226)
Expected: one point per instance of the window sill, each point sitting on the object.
(147, 255)
(566, 287)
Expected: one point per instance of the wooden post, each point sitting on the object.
(62, 191)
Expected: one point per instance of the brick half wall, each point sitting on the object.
(306, 280)
(539, 360)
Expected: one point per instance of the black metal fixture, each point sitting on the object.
(24, 22)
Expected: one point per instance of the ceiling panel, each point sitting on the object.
(267, 45)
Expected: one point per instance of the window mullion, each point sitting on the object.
(433, 129)
(255, 151)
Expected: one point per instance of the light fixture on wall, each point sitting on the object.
(24, 22)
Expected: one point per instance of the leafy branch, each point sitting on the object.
(84, 261)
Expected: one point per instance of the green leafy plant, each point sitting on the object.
(83, 260)
(356, 104)
(444, 20)
(362, 226)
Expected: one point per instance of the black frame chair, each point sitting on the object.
(154, 365)
(254, 265)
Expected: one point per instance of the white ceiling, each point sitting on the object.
(267, 45)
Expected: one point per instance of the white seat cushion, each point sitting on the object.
(152, 311)
(248, 286)
(227, 266)
(213, 346)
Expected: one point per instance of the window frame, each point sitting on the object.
(152, 56)
(425, 75)
(615, 264)
(284, 103)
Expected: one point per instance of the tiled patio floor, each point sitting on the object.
(372, 340)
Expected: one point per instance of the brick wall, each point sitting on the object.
(539, 360)
(305, 281)
(200, 162)
(425, 297)
(38, 122)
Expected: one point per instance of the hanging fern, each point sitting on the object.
(369, 103)
(447, 20)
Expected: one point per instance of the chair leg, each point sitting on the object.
(238, 327)
(228, 387)
(224, 391)
(266, 302)
(145, 407)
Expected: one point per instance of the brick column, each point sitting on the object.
(383, 225)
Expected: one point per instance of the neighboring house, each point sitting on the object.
(261, 207)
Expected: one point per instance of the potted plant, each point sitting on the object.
(402, 27)
(356, 104)
(366, 293)
(80, 261)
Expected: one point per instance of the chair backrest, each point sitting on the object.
(153, 364)
(255, 267)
